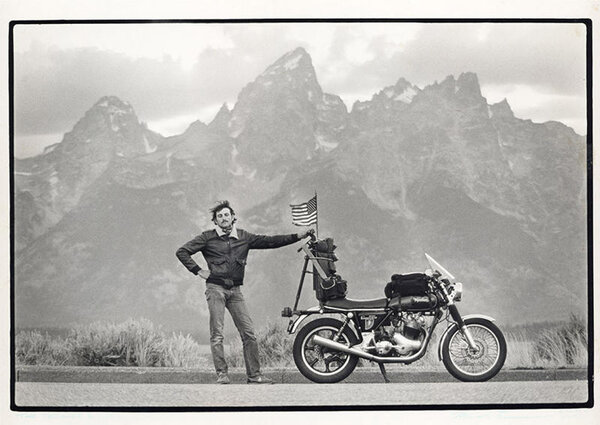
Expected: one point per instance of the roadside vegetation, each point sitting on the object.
(131, 343)
(140, 343)
(553, 346)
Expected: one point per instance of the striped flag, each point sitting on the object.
(305, 214)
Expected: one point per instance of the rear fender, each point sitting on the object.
(295, 324)
(454, 325)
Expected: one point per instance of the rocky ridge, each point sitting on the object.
(499, 199)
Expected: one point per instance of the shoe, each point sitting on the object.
(260, 380)
(223, 378)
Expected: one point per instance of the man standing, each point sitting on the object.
(225, 250)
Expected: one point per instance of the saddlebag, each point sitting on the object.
(404, 285)
(334, 287)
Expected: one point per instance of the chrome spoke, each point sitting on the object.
(479, 361)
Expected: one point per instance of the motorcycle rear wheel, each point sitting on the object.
(475, 365)
(321, 364)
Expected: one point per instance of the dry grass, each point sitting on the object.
(132, 343)
(274, 347)
(35, 348)
(183, 351)
(139, 343)
(559, 346)
(520, 351)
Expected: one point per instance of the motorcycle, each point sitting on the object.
(397, 328)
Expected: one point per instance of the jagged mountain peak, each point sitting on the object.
(400, 94)
(113, 101)
(297, 59)
(298, 51)
(113, 106)
(402, 84)
(464, 80)
(402, 91)
(288, 86)
(502, 109)
(224, 109)
(465, 88)
(195, 127)
(448, 81)
(110, 128)
(294, 70)
(469, 83)
(221, 119)
(111, 110)
(468, 78)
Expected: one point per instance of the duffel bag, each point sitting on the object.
(333, 288)
(407, 284)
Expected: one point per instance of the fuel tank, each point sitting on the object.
(414, 302)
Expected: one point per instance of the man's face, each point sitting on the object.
(224, 218)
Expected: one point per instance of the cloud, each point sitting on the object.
(169, 73)
(527, 102)
(550, 56)
(54, 88)
(540, 67)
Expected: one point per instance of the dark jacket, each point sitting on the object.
(226, 255)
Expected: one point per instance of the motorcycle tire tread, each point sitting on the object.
(487, 375)
(342, 373)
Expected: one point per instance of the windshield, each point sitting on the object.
(445, 274)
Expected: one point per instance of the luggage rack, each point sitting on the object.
(309, 256)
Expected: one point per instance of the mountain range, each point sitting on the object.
(500, 201)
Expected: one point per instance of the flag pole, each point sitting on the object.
(317, 210)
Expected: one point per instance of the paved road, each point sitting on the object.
(166, 375)
(342, 394)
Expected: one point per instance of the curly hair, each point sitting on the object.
(221, 205)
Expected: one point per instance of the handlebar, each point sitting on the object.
(313, 238)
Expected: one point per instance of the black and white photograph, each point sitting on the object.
(294, 215)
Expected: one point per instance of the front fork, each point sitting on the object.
(461, 325)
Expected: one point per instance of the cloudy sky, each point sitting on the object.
(174, 74)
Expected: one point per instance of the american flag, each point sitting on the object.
(305, 214)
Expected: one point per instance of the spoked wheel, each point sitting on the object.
(478, 364)
(321, 364)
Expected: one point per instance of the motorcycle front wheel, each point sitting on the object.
(475, 365)
(321, 364)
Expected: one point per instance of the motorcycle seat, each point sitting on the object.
(349, 304)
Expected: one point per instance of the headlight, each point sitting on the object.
(457, 291)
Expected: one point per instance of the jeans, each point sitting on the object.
(218, 299)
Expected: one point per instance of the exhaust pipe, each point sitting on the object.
(360, 353)
(341, 347)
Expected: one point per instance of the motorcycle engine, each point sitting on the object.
(402, 337)
(413, 325)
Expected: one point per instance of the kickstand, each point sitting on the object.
(383, 372)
